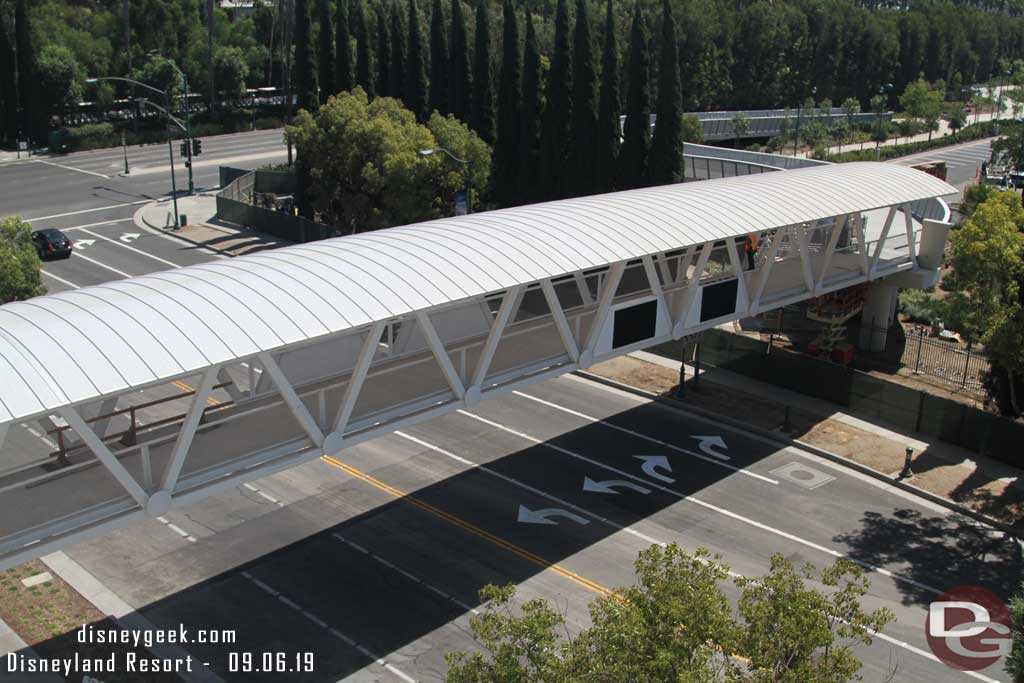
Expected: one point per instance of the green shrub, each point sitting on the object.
(920, 306)
(974, 131)
(91, 136)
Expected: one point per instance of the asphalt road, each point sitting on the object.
(373, 561)
(963, 162)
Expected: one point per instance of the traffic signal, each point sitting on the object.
(184, 148)
(197, 147)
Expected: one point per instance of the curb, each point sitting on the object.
(784, 440)
(140, 221)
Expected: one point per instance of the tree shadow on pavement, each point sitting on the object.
(935, 552)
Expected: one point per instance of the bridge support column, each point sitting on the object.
(879, 309)
(933, 242)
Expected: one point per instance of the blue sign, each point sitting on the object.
(461, 203)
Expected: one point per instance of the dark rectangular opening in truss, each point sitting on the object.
(634, 323)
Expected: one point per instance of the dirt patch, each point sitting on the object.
(49, 617)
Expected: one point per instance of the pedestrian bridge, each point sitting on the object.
(129, 398)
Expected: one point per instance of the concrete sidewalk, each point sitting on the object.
(984, 485)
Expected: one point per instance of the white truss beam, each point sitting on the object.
(508, 302)
(654, 282)
(581, 285)
(561, 324)
(358, 377)
(103, 454)
(830, 249)
(881, 241)
(224, 377)
(741, 281)
(911, 247)
(766, 269)
(685, 302)
(604, 305)
(800, 234)
(663, 269)
(862, 243)
(3, 433)
(188, 430)
(440, 355)
(684, 263)
(291, 399)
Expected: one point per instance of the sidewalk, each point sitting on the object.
(981, 484)
(204, 229)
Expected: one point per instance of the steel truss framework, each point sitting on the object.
(394, 373)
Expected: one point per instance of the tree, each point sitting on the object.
(8, 90)
(230, 71)
(582, 150)
(674, 623)
(923, 102)
(60, 78)
(415, 91)
(850, 107)
(880, 128)
(507, 151)
(609, 109)
(460, 86)
(326, 55)
(399, 52)
(740, 125)
(1015, 660)
(33, 119)
(439, 66)
(557, 109)
(383, 76)
(305, 69)
(637, 133)
(362, 165)
(956, 117)
(530, 114)
(666, 165)
(691, 129)
(343, 79)
(481, 117)
(988, 268)
(20, 270)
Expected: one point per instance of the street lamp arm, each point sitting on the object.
(168, 114)
(126, 80)
(425, 152)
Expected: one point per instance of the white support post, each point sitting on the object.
(685, 302)
(494, 336)
(881, 241)
(188, 430)
(766, 270)
(147, 467)
(654, 282)
(103, 454)
(358, 377)
(911, 247)
(561, 324)
(830, 249)
(107, 406)
(684, 264)
(581, 284)
(858, 231)
(440, 355)
(666, 272)
(611, 285)
(744, 299)
(3, 433)
(224, 377)
(800, 235)
(292, 399)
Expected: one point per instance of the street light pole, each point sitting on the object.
(188, 123)
(467, 165)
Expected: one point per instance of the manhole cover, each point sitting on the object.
(802, 475)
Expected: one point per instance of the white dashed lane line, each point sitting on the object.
(176, 529)
(261, 494)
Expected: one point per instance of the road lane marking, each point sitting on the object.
(177, 529)
(409, 575)
(322, 624)
(927, 655)
(260, 493)
(473, 529)
(709, 506)
(679, 449)
(71, 168)
(70, 284)
(76, 213)
(103, 265)
(128, 246)
(93, 225)
(187, 388)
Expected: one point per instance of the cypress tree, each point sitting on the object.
(637, 135)
(439, 65)
(343, 51)
(8, 89)
(415, 90)
(364, 53)
(481, 117)
(383, 52)
(557, 109)
(609, 131)
(460, 85)
(582, 151)
(305, 69)
(530, 115)
(507, 151)
(325, 58)
(666, 164)
(32, 123)
(396, 77)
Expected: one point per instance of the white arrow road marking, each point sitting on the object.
(708, 444)
(528, 516)
(129, 237)
(82, 244)
(125, 246)
(651, 465)
(609, 486)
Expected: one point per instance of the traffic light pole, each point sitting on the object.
(170, 153)
(188, 136)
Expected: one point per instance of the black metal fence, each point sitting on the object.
(773, 361)
(244, 201)
(921, 352)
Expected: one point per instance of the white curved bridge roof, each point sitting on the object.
(126, 333)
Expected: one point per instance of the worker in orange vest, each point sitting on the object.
(750, 247)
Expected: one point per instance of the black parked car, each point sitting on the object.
(52, 244)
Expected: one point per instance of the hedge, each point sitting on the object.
(103, 135)
(975, 131)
